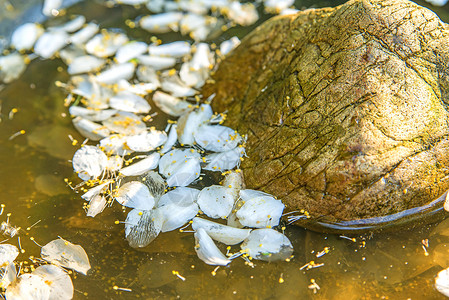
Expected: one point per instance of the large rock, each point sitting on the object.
(345, 108)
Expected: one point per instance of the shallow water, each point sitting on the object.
(371, 266)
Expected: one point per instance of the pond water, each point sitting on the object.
(399, 265)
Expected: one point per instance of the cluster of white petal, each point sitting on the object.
(153, 172)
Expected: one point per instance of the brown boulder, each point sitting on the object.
(345, 108)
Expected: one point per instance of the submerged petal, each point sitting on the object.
(142, 227)
(268, 245)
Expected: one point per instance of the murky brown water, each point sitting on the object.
(33, 166)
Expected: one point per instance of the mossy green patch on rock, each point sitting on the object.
(345, 108)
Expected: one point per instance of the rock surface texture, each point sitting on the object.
(346, 108)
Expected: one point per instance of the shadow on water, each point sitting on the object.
(394, 265)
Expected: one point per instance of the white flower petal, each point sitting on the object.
(106, 43)
(11, 67)
(157, 62)
(8, 253)
(207, 251)
(50, 7)
(125, 123)
(89, 161)
(161, 23)
(176, 216)
(130, 102)
(259, 209)
(135, 194)
(224, 160)
(174, 85)
(189, 123)
(143, 166)
(51, 42)
(91, 114)
(96, 205)
(130, 50)
(85, 64)
(175, 49)
(170, 104)
(142, 227)
(229, 45)
(221, 233)
(182, 196)
(217, 138)
(71, 26)
(216, 201)
(65, 254)
(86, 33)
(116, 73)
(171, 140)
(147, 141)
(267, 244)
(24, 37)
(115, 143)
(442, 282)
(91, 130)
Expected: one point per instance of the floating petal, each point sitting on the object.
(11, 67)
(135, 194)
(143, 166)
(229, 45)
(268, 245)
(216, 201)
(130, 50)
(207, 251)
(217, 138)
(147, 141)
(116, 73)
(142, 227)
(106, 43)
(91, 130)
(221, 233)
(65, 254)
(96, 205)
(176, 216)
(442, 282)
(189, 123)
(51, 42)
(259, 209)
(85, 64)
(24, 37)
(126, 123)
(171, 140)
(8, 253)
(224, 160)
(170, 104)
(157, 62)
(85, 34)
(89, 162)
(91, 114)
(161, 23)
(182, 196)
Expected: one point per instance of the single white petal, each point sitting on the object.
(154, 182)
(207, 251)
(277, 5)
(171, 161)
(267, 244)
(130, 50)
(224, 160)
(140, 88)
(130, 102)
(442, 282)
(91, 114)
(86, 33)
(28, 286)
(182, 196)
(161, 23)
(143, 166)
(176, 216)
(24, 37)
(96, 94)
(135, 194)
(91, 130)
(116, 73)
(229, 45)
(217, 138)
(8, 253)
(221, 233)
(157, 62)
(175, 49)
(11, 67)
(142, 227)
(243, 14)
(89, 160)
(115, 144)
(259, 209)
(95, 191)
(189, 123)
(170, 104)
(106, 43)
(147, 141)
(174, 85)
(65, 254)
(216, 201)
(51, 42)
(8, 274)
(71, 26)
(61, 286)
(171, 140)
(85, 64)
(125, 123)
(96, 205)
(51, 7)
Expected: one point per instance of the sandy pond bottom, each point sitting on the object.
(400, 265)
